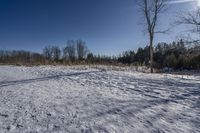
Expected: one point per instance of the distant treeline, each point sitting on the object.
(75, 52)
(176, 55)
(21, 58)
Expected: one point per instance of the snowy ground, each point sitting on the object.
(63, 99)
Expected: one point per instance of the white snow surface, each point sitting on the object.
(60, 99)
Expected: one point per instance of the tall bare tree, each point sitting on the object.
(55, 53)
(81, 49)
(47, 52)
(151, 9)
(69, 52)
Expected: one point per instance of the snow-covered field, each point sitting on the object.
(62, 99)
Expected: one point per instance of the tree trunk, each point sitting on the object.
(151, 54)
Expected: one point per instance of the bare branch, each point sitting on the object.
(191, 19)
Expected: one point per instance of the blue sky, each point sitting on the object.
(108, 26)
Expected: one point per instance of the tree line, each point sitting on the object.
(75, 52)
(175, 55)
(20, 57)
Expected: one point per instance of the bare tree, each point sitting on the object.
(81, 49)
(151, 9)
(69, 52)
(190, 19)
(55, 53)
(47, 52)
(52, 53)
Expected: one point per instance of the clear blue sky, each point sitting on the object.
(108, 26)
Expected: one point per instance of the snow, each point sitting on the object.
(61, 99)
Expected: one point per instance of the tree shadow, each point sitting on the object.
(128, 111)
(26, 81)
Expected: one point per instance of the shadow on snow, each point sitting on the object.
(26, 81)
